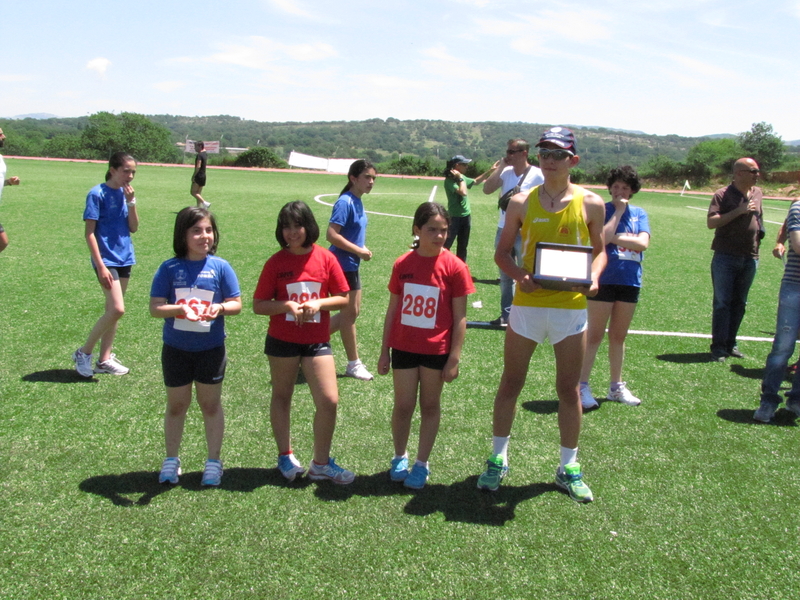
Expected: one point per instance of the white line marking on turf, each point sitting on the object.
(698, 335)
(372, 212)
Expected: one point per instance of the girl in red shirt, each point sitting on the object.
(298, 287)
(425, 326)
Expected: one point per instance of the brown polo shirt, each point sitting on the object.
(740, 236)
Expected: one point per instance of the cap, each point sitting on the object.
(561, 137)
(460, 160)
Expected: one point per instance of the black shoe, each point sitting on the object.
(736, 353)
(499, 322)
(718, 357)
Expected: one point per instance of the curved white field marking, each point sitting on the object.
(706, 210)
(372, 212)
(698, 335)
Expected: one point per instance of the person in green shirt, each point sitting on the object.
(456, 185)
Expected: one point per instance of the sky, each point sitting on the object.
(685, 67)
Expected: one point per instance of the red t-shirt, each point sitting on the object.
(288, 276)
(427, 285)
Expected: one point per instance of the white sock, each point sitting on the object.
(353, 363)
(500, 446)
(568, 455)
(419, 462)
(403, 455)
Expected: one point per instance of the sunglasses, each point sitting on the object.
(753, 171)
(511, 152)
(554, 154)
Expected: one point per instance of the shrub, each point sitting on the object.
(261, 157)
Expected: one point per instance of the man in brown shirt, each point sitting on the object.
(735, 216)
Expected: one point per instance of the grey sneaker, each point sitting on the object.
(794, 406)
(587, 398)
(83, 363)
(331, 472)
(111, 366)
(170, 470)
(765, 412)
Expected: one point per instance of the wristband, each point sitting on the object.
(221, 308)
(132, 202)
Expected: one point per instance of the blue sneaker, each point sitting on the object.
(331, 472)
(399, 469)
(170, 470)
(417, 478)
(765, 412)
(212, 473)
(495, 471)
(289, 467)
(571, 480)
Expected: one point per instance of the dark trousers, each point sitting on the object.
(732, 277)
(459, 228)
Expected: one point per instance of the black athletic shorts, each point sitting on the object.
(199, 179)
(353, 279)
(412, 360)
(182, 367)
(117, 272)
(617, 293)
(280, 349)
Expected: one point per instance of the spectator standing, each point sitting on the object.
(6, 181)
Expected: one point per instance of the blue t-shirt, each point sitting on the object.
(195, 282)
(624, 265)
(348, 212)
(107, 206)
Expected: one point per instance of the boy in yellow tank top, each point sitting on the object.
(556, 211)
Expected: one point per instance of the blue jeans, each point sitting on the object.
(506, 283)
(786, 331)
(460, 228)
(731, 277)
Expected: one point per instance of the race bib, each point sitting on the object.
(626, 254)
(200, 301)
(303, 291)
(420, 303)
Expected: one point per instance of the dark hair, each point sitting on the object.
(187, 219)
(116, 161)
(297, 213)
(626, 174)
(199, 146)
(356, 169)
(423, 214)
(519, 143)
(449, 168)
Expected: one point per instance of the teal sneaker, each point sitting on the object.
(330, 472)
(212, 473)
(495, 471)
(399, 469)
(571, 480)
(417, 478)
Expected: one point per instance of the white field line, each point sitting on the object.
(697, 335)
(372, 212)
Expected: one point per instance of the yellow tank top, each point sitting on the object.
(564, 227)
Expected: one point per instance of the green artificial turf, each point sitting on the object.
(692, 498)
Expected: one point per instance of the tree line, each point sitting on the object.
(412, 147)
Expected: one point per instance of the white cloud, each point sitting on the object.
(292, 7)
(99, 65)
(261, 53)
(169, 86)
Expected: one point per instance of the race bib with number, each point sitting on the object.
(199, 301)
(420, 303)
(626, 254)
(303, 291)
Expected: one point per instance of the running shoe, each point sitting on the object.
(289, 466)
(111, 366)
(736, 353)
(170, 470)
(623, 395)
(330, 472)
(358, 371)
(588, 401)
(765, 412)
(571, 480)
(83, 363)
(495, 471)
(794, 406)
(206, 205)
(212, 473)
(418, 477)
(399, 469)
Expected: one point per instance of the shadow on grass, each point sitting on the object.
(782, 418)
(138, 488)
(487, 281)
(541, 407)
(689, 357)
(748, 373)
(461, 501)
(58, 376)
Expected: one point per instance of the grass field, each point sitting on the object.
(692, 498)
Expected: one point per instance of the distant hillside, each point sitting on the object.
(36, 116)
